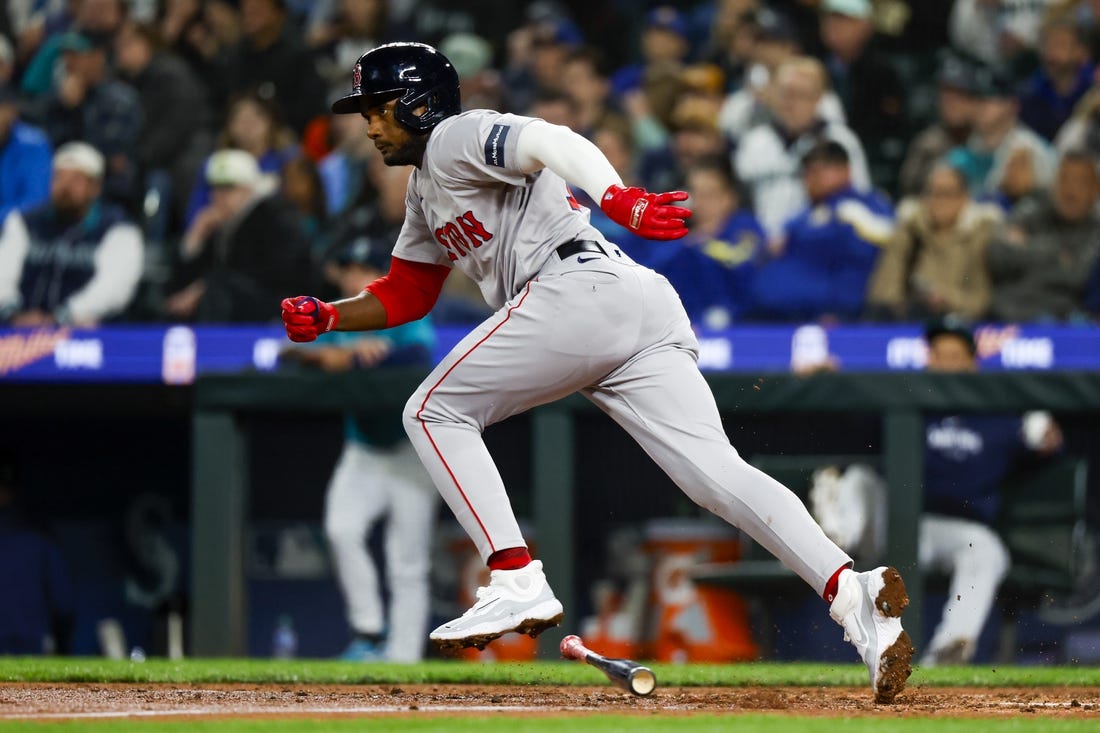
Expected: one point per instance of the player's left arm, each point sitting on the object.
(581, 163)
(406, 293)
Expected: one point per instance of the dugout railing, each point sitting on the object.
(220, 448)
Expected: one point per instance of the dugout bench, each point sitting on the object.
(220, 475)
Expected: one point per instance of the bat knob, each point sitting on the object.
(642, 681)
(572, 647)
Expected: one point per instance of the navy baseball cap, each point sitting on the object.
(959, 73)
(951, 325)
(826, 151)
(773, 26)
(667, 18)
(991, 82)
(558, 32)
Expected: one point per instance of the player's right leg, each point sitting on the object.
(663, 401)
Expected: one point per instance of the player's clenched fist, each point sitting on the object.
(647, 214)
(306, 317)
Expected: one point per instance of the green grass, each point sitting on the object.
(259, 671)
(591, 724)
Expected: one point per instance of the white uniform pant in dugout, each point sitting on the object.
(977, 561)
(616, 332)
(368, 484)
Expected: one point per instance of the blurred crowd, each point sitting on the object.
(847, 160)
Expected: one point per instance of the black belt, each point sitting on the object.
(576, 246)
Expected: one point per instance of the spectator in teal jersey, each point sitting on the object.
(378, 475)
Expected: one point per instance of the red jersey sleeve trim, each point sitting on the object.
(409, 291)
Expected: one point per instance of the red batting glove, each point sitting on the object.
(646, 214)
(306, 317)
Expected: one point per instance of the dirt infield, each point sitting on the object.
(97, 700)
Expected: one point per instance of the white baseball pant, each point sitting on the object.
(618, 333)
(977, 561)
(367, 484)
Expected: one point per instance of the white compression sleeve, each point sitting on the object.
(568, 154)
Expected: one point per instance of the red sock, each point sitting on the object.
(513, 558)
(830, 587)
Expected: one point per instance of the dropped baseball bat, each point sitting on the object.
(626, 673)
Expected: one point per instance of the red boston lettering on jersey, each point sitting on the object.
(462, 235)
(451, 238)
(474, 229)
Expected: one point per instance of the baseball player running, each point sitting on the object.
(490, 195)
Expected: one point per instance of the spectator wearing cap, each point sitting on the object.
(90, 105)
(821, 267)
(1064, 76)
(76, 259)
(1004, 160)
(868, 85)
(773, 42)
(1040, 263)
(956, 105)
(243, 251)
(25, 154)
(99, 19)
(638, 87)
(536, 52)
(934, 263)
(664, 41)
(768, 157)
(271, 57)
(377, 476)
(967, 459)
(252, 124)
(175, 135)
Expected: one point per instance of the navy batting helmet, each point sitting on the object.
(415, 74)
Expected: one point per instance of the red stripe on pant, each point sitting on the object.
(424, 404)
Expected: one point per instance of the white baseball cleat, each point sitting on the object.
(515, 600)
(869, 605)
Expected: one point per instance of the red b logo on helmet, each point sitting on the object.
(357, 77)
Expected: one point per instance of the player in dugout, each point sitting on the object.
(490, 195)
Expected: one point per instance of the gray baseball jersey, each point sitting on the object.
(595, 323)
(459, 215)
